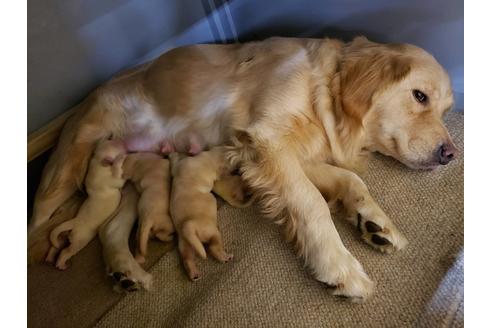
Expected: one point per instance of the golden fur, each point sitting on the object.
(103, 184)
(150, 174)
(114, 235)
(287, 104)
(194, 208)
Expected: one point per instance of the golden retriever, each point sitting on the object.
(292, 110)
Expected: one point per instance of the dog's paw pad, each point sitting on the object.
(380, 237)
(372, 227)
(124, 282)
(378, 240)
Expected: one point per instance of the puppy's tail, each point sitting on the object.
(65, 226)
(39, 242)
(189, 233)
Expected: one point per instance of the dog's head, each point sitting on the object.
(399, 94)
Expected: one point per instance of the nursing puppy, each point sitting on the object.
(103, 183)
(294, 106)
(114, 235)
(150, 173)
(115, 232)
(194, 208)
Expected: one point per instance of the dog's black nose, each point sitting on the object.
(446, 153)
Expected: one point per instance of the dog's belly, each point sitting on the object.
(196, 96)
(150, 131)
(189, 143)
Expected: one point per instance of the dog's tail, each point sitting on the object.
(65, 226)
(190, 235)
(91, 123)
(65, 171)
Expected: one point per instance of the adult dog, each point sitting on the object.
(298, 112)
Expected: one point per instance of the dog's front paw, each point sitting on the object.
(346, 278)
(380, 233)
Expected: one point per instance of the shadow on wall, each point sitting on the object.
(436, 26)
(74, 46)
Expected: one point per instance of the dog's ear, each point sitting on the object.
(367, 67)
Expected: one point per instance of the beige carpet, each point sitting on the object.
(266, 284)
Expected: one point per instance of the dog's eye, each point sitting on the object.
(420, 96)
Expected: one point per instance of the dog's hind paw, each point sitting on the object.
(129, 276)
(124, 282)
(346, 278)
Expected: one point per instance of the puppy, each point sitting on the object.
(232, 189)
(114, 234)
(150, 174)
(194, 208)
(103, 183)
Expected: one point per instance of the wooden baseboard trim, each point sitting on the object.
(44, 138)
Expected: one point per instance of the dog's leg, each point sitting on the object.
(153, 222)
(188, 256)
(362, 211)
(216, 248)
(287, 193)
(114, 235)
(47, 199)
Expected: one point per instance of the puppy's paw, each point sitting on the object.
(195, 275)
(52, 254)
(380, 233)
(346, 279)
(129, 276)
(127, 282)
(223, 257)
(62, 265)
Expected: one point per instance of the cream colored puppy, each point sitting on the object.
(103, 183)
(150, 174)
(114, 235)
(194, 207)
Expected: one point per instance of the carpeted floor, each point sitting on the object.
(266, 284)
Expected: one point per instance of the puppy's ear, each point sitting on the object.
(366, 68)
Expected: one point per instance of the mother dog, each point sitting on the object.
(299, 115)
